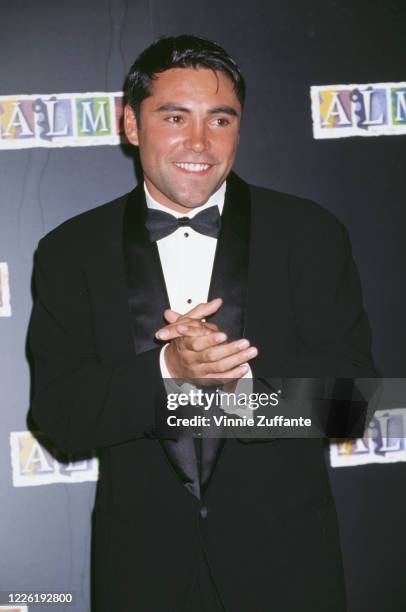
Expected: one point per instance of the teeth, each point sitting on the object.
(193, 167)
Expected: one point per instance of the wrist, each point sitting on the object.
(169, 362)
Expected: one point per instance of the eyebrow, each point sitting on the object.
(226, 110)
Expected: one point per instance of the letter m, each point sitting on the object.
(399, 106)
(93, 117)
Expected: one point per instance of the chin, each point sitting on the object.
(193, 202)
(196, 204)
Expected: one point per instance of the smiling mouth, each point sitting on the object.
(193, 168)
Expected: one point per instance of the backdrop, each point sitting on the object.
(283, 48)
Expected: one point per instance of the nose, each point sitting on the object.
(197, 138)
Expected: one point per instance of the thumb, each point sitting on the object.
(171, 315)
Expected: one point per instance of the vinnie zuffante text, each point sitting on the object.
(241, 404)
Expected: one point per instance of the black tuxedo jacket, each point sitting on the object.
(266, 521)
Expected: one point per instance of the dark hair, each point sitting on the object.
(178, 52)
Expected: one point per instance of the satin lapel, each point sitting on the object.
(211, 449)
(182, 456)
(230, 269)
(147, 295)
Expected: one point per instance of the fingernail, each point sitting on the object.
(182, 328)
(252, 352)
(244, 367)
(221, 337)
(161, 335)
(243, 344)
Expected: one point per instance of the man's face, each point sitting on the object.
(188, 135)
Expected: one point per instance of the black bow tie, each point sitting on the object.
(160, 224)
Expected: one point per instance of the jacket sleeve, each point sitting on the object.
(80, 401)
(332, 373)
(333, 331)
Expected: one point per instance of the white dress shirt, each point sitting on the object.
(187, 259)
(187, 256)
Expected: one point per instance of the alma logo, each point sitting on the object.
(384, 442)
(5, 308)
(32, 464)
(61, 120)
(358, 110)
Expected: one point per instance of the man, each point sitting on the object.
(237, 282)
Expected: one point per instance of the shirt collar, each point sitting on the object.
(216, 199)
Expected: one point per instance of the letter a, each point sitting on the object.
(336, 109)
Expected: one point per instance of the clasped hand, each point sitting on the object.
(199, 351)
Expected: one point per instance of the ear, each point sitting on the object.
(130, 125)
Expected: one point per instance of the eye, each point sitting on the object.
(221, 122)
(174, 119)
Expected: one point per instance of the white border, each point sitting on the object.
(56, 475)
(64, 141)
(320, 133)
(369, 456)
(5, 306)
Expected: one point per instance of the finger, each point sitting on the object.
(232, 362)
(218, 352)
(189, 327)
(198, 312)
(211, 326)
(188, 331)
(171, 315)
(200, 331)
(225, 377)
(205, 309)
(172, 330)
(196, 323)
(199, 342)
